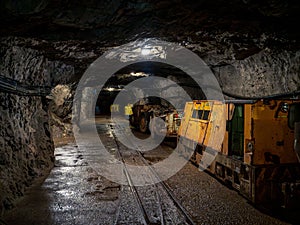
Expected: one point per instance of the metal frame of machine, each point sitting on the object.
(256, 155)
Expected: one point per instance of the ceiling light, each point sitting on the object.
(146, 51)
(138, 74)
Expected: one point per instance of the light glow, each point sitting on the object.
(146, 51)
(138, 74)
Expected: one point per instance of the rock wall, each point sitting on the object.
(251, 67)
(60, 109)
(267, 72)
(26, 145)
(26, 140)
(20, 60)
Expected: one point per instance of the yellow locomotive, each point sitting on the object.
(251, 144)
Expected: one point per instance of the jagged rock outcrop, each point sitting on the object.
(26, 144)
(26, 140)
(266, 73)
(27, 65)
(60, 110)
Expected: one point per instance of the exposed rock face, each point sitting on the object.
(25, 137)
(26, 145)
(256, 68)
(244, 67)
(265, 73)
(28, 65)
(60, 110)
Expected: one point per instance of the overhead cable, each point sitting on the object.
(9, 85)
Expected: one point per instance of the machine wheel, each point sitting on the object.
(143, 124)
(131, 120)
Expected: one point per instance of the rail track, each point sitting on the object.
(154, 203)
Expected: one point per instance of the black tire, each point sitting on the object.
(131, 120)
(143, 124)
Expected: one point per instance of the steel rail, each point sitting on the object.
(168, 190)
(133, 189)
(163, 185)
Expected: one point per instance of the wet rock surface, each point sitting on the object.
(26, 137)
(72, 194)
(27, 146)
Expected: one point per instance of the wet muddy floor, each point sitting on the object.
(74, 193)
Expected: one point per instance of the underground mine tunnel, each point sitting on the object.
(230, 157)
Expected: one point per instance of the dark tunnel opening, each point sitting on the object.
(130, 73)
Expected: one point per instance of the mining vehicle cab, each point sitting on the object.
(153, 115)
(259, 154)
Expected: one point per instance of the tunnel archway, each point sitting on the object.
(251, 47)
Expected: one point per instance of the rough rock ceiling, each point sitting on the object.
(120, 20)
(243, 41)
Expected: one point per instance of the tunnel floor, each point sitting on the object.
(74, 193)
